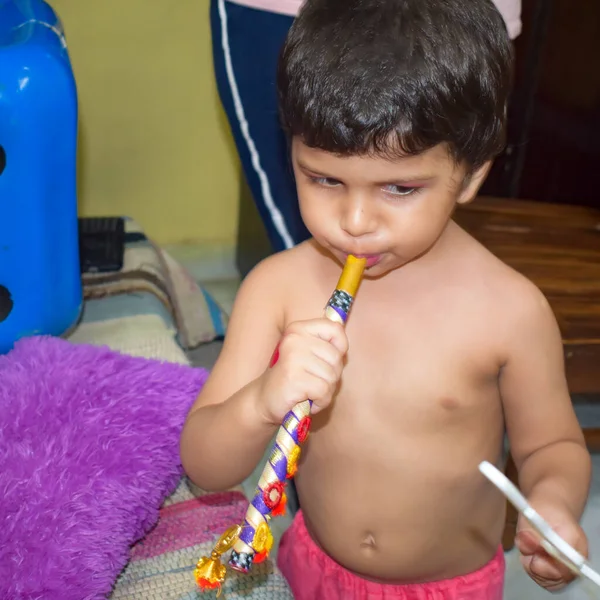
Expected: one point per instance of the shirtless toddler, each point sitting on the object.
(395, 110)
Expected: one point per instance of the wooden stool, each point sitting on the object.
(558, 248)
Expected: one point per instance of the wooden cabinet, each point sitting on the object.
(554, 151)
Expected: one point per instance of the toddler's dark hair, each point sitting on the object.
(394, 77)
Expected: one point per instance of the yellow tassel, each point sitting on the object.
(210, 573)
(265, 545)
(261, 538)
(292, 464)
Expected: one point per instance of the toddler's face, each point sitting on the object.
(390, 211)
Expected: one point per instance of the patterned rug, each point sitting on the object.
(162, 564)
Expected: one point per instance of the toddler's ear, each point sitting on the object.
(472, 182)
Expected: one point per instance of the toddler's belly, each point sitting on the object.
(432, 526)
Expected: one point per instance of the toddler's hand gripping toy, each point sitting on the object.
(252, 541)
(552, 543)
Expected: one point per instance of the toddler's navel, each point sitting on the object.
(369, 542)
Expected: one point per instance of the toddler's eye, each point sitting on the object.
(399, 190)
(325, 181)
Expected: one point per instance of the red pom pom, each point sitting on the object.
(204, 584)
(279, 510)
(303, 429)
(260, 557)
(273, 494)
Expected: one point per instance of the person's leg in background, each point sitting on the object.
(246, 46)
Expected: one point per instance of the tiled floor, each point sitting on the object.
(220, 279)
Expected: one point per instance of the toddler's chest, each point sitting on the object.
(422, 379)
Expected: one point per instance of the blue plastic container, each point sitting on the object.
(40, 281)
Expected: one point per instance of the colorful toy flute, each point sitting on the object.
(252, 541)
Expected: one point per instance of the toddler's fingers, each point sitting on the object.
(338, 338)
(325, 372)
(325, 329)
(527, 542)
(320, 392)
(544, 568)
(327, 353)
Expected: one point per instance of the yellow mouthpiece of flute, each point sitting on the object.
(352, 275)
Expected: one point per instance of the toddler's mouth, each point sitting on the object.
(372, 259)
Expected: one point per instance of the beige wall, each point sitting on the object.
(153, 144)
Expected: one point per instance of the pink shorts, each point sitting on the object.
(313, 575)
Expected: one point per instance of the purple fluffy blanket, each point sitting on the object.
(89, 449)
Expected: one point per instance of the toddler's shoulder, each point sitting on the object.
(281, 273)
(516, 297)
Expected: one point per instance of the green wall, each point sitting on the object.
(153, 141)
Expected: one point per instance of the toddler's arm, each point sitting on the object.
(546, 440)
(225, 435)
(244, 402)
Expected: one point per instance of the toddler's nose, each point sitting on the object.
(357, 220)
